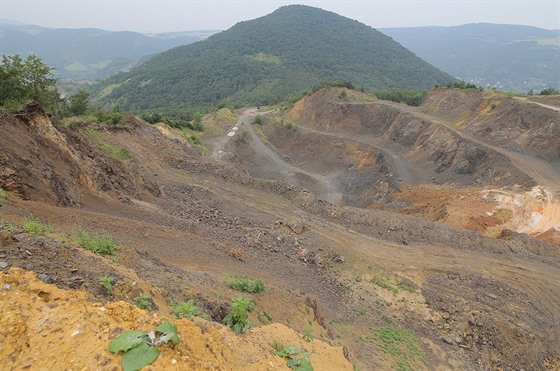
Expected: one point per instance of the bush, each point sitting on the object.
(36, 227)
(143, 301)
(245, 284)
(238, 318)
(100, 244)
(3, 196)
(185, 309)
(107, 283)
(550, 91)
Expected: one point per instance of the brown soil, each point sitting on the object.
(182, 220)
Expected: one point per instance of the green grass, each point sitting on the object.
(74, 122)
(100, 244)
(36, 227)
(401, 344)
(246, 284)
(393, 285)
(3, 195)
(114, 151)
(10, 227)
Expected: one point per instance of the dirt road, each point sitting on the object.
(330, 192)
(542, 172)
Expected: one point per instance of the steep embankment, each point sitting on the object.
(504, 151)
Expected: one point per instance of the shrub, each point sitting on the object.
(100, 244)
(245, 284)
(185, 309)
(36, 227)
(143, 301)
(238, 318)
(107, 283)
(3, 196)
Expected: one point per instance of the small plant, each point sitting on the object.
(308, 332)
(264, 317)
(140, 347)
(3, 196)
(245, 284)
(9, 226)
(290, 126)
(36, 227)
(100, 244)
(107, 283)
(400, 343)
(300, 363)
(185, 309)
(258, 120)
(238, 318)
(342, 94)
(360, 311)
(143, 301)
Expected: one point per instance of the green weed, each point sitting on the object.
(400, 343)
(114, 151)
(238, 318)
(36, 227)
(100, 244)
(245, 284)
(185, 309)
(107, 283)
(143, 301)
(264, 317)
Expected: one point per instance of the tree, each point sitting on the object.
(25, 80)
(79, 103)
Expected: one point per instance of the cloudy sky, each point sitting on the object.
(182, 15)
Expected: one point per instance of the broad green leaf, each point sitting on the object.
(305, 365)
(288, 351)
(126, 341)
(138, 357)
(169, 332)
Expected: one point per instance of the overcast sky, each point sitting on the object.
(183, 15)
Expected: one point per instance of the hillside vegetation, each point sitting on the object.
(268, 60)
(86, 53)
(509, 57)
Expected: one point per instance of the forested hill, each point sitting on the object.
(270, 59)
(86, 53)
(509, 57)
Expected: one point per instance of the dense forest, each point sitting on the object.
(268, 60)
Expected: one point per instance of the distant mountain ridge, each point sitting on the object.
(87, 53)
(509, 57)
(269, 59)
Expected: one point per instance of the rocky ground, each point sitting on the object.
(393, 290)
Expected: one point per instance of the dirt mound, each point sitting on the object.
(49, 328)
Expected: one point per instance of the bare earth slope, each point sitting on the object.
(394, 290)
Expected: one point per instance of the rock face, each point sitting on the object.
(50, 163)
(49, 328)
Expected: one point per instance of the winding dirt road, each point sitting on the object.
(330, 193)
